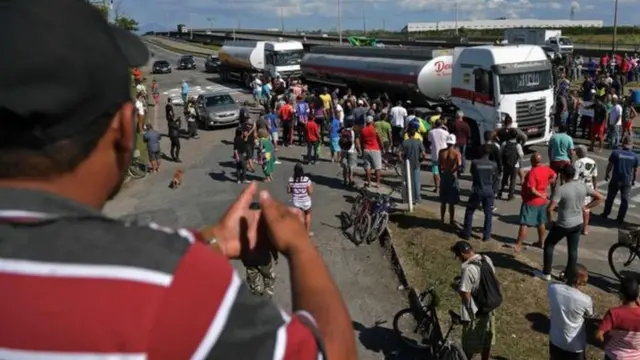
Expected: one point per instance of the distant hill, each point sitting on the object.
(145, 28)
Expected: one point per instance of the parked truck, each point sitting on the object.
(541, 37)
(182, 29)
(486, 82)
(243, 60)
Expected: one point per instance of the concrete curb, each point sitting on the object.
(396, 261)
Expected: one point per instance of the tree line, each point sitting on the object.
(120, 20)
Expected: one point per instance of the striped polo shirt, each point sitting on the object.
(77, 285)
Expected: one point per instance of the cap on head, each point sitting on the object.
(451, 139)
(461, 247)
(60, 74)
(369, 119)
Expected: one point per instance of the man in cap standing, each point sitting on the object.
(621, 171)
(483, 173)
(125, 290)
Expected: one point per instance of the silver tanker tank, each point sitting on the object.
(389, 69)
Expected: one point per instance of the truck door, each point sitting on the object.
(270, 62)
(484, 95)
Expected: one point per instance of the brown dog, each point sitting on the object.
(177, 180)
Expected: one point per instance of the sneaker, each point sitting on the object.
(540, 275)
(278, 162)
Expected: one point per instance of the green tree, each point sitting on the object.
(104, 10)
(126, 23)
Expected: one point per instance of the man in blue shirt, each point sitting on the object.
(184, 92)
(622, 168)
(152, 139)
(334, 137)
(483, 173)
(560, 150)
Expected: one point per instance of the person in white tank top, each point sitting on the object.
(299, 186)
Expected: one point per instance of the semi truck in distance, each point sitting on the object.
(182, 29)
(541, 37)
(488, 83)
(243, 60)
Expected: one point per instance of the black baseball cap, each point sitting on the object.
(63, 66)
(461, 247)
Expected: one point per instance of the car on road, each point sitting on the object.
(217, 109)
(212, 65)
(186, 62)
(161, 67)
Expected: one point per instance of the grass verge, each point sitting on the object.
(606, 40)
(522, 326)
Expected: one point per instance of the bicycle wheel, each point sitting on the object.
(410, 331)
(356, 208)
(138, 170)
(398, 168)
(452, 351)
(624, 260)
(361, 228)
(380, 222)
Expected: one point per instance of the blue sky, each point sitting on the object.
(393, 15)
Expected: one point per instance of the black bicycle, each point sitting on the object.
(418, 326)
(369, 215)
(624, 256)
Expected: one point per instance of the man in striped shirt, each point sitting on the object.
(78, 285)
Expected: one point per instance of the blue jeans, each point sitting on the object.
(475, 200)
(613, 135)
(612, 192)
(416, 186)
(184, 98)
(564, 117)
(463, 150)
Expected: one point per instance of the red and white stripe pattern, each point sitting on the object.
(623, 327)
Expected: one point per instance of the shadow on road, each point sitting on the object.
(385, 341)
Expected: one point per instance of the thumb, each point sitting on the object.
(272, 211)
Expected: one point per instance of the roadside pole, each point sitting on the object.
(407, 170)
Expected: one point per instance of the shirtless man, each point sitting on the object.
(449, 163)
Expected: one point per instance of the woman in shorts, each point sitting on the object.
(300, 188)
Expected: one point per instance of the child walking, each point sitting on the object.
(267, 158)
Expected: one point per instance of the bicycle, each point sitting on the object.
(360, 216)
(389, 160)
(426, 327)
(380, 216)
(138, 169)
(627, 250)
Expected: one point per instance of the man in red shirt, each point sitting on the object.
(462, 132)
(85, 286)
(372, 154)
(286, 118)
(533, 211)
(619, 330)
(313, 141)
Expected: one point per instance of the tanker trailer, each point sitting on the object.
(418, 74)
(243, 60)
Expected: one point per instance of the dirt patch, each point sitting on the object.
(422, 247)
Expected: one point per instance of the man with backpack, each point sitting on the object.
(512, 154)
(480, 292)
(349, 152)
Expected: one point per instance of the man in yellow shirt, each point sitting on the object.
(434, 118)
(420, 124)
(327, 103)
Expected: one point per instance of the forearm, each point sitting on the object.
(313, 290)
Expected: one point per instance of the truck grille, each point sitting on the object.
(530, 117)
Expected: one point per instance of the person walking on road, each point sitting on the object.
(598, 124)
(286, 120)
(621, 174)
(192, 124)
(560, 151)
(155, 92)
(184, 92)
(568, 199)
(350, 147)
(397, 115)
(174, 137)
(449, 161)
(300, 188)
(586, 173)
(313, 141)
(614, 126)
(512, 155)
(372, 152)
(152, 139)
(483, 173)
(240, 156)
(533, 211)
(438, 140)
(412, 149)
(462, 133)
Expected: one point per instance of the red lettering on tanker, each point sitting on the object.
(442, 68)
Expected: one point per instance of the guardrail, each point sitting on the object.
(332, 39)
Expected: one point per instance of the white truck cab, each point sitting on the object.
(490, 82)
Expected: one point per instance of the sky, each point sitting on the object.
(359, 14)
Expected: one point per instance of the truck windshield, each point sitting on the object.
(219, 100)
(565, 41)
(290, 57)
(525, 82)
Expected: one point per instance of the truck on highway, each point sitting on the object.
(243, 60)
(486, 82)
(541, 37)
(182, 29)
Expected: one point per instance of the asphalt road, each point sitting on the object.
(363, 274)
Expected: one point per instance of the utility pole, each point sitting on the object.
(364, 22)
(384, 25)
(339, 22)
(282, 19)
(456, 4)
(615, 27)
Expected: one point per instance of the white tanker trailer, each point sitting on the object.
(486, 82)
(242, 60)
(405, 73)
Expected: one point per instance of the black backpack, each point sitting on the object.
(510, 154)
(488, 296)
(345, 141)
